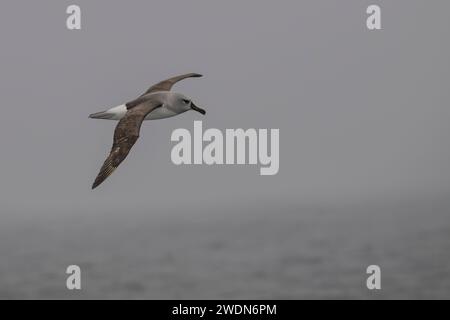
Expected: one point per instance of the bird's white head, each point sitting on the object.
(179, 103)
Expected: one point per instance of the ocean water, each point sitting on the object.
(290, 253)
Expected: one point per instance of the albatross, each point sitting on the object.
(157, 102)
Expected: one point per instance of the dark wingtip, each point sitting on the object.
(196, 75)
(96, 184)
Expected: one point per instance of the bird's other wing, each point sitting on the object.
(166, 85)
(125, 136)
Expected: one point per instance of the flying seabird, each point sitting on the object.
(156, 103)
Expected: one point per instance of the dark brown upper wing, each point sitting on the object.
(125, 136)
(166, 85)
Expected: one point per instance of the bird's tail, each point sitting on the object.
(115, 113)
(102, 115)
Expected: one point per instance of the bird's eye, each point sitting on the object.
(186, 101)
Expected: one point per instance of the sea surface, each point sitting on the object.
(288, 253)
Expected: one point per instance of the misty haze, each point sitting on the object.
(364, 160)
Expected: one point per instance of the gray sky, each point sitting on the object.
(361, 114)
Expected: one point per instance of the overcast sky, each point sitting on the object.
(361, 114)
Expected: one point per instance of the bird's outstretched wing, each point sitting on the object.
(125, 136)
(166, 85)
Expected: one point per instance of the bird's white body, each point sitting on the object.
(119, 112)
(172, 105)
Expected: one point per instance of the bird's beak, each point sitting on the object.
(194, 107)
